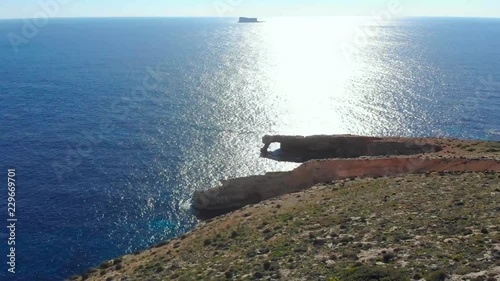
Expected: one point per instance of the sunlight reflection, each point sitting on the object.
(310, 72)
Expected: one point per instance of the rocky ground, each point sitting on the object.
(465, 148)
(430, 226)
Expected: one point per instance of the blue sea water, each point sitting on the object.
(112, 124)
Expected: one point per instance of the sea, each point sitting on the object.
(111, 124)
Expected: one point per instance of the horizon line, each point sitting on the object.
(228, 17)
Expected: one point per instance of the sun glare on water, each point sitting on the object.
(309, 73)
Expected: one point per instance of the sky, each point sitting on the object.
(233, 8)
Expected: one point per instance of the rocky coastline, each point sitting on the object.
(332, 158)
(357, 208)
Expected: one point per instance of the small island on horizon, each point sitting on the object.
(248, 20)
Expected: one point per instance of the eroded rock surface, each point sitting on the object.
(236, 193)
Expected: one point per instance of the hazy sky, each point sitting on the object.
(258, 8)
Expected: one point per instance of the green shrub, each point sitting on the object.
(104, 265)
(374, 273)
(438, 275)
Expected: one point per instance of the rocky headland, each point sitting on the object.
(342, 157)
(301, 149)
(358, 208)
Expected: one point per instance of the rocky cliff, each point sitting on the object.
(237, 193)
(301, 149)
(429, 155)
(431, 216)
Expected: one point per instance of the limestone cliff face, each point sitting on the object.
(234, 194)
(342, 157)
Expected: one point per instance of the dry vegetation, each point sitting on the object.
(433, 226)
